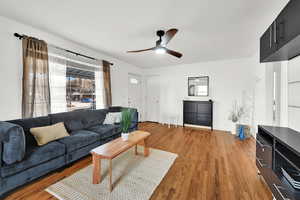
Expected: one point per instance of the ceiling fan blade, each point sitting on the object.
(174, 53)
(137, 51)
(168, 36)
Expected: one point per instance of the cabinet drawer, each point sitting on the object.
(276, 187)
(264, 154)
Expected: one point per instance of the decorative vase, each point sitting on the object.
(241, 133)
(125, 136)
(233, 131)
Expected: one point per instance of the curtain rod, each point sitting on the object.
(73, 52)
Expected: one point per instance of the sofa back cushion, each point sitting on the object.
(115, 109)
(73, 120)
(79, 119)
(94, 117)
(13, 141)
(29, 123)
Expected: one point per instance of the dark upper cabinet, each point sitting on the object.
(267, 45)
(281, 41)
(289, 22)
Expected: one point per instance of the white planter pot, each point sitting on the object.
(125, 136)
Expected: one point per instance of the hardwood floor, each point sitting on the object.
(210, 165)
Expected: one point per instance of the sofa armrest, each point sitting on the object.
(1, 150)
(13, 144)
(3, 137)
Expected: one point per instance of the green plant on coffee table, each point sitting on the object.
(126, 120)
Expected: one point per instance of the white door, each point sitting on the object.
(152, 98)
(135, 92)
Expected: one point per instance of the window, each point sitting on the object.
(75, 82)
(80, 90)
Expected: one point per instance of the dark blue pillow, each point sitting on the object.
(13, 139)
(74, 125)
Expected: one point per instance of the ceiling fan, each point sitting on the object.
(164, 39)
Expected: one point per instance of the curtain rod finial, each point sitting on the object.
(18, 35)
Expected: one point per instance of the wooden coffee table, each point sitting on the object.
(114, 148)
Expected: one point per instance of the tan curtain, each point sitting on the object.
(107, 83)
(36, 91)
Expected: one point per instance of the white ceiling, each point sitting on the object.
(208, 29)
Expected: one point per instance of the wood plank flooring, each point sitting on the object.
(210, 166)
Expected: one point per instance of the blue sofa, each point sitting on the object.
(86, 130)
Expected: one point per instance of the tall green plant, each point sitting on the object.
(126, 120)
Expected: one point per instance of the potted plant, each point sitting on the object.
(125, 123)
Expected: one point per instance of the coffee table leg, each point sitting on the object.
(110, 175)
(96, 169)
(146, 149)
(135, 150)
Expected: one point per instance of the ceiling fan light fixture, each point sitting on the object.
(160, 50)
(161, 44)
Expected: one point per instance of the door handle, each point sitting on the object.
(260, 144)
(271, 37)
(282, 31)
(275, 32)
(260, 163)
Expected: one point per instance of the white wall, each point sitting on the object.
(229, 80)
(284, 114)
(293, 93)
(11, 66)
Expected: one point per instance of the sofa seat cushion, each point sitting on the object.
(34, 156)
(79, 139)
(105, 130)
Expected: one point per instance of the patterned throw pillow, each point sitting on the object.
(113, 117)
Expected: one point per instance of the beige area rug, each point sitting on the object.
(134, 178)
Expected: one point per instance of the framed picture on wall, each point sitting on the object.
(198, 86)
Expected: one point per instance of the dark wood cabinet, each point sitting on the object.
(198, 113)
(276, 149)
(281, 41)
(266, 44)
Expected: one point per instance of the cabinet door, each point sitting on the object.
(190, 118)
(266, 44)
(190, 106)
(263, 153)
(288, 22)
(203, 119)
(204, 108)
